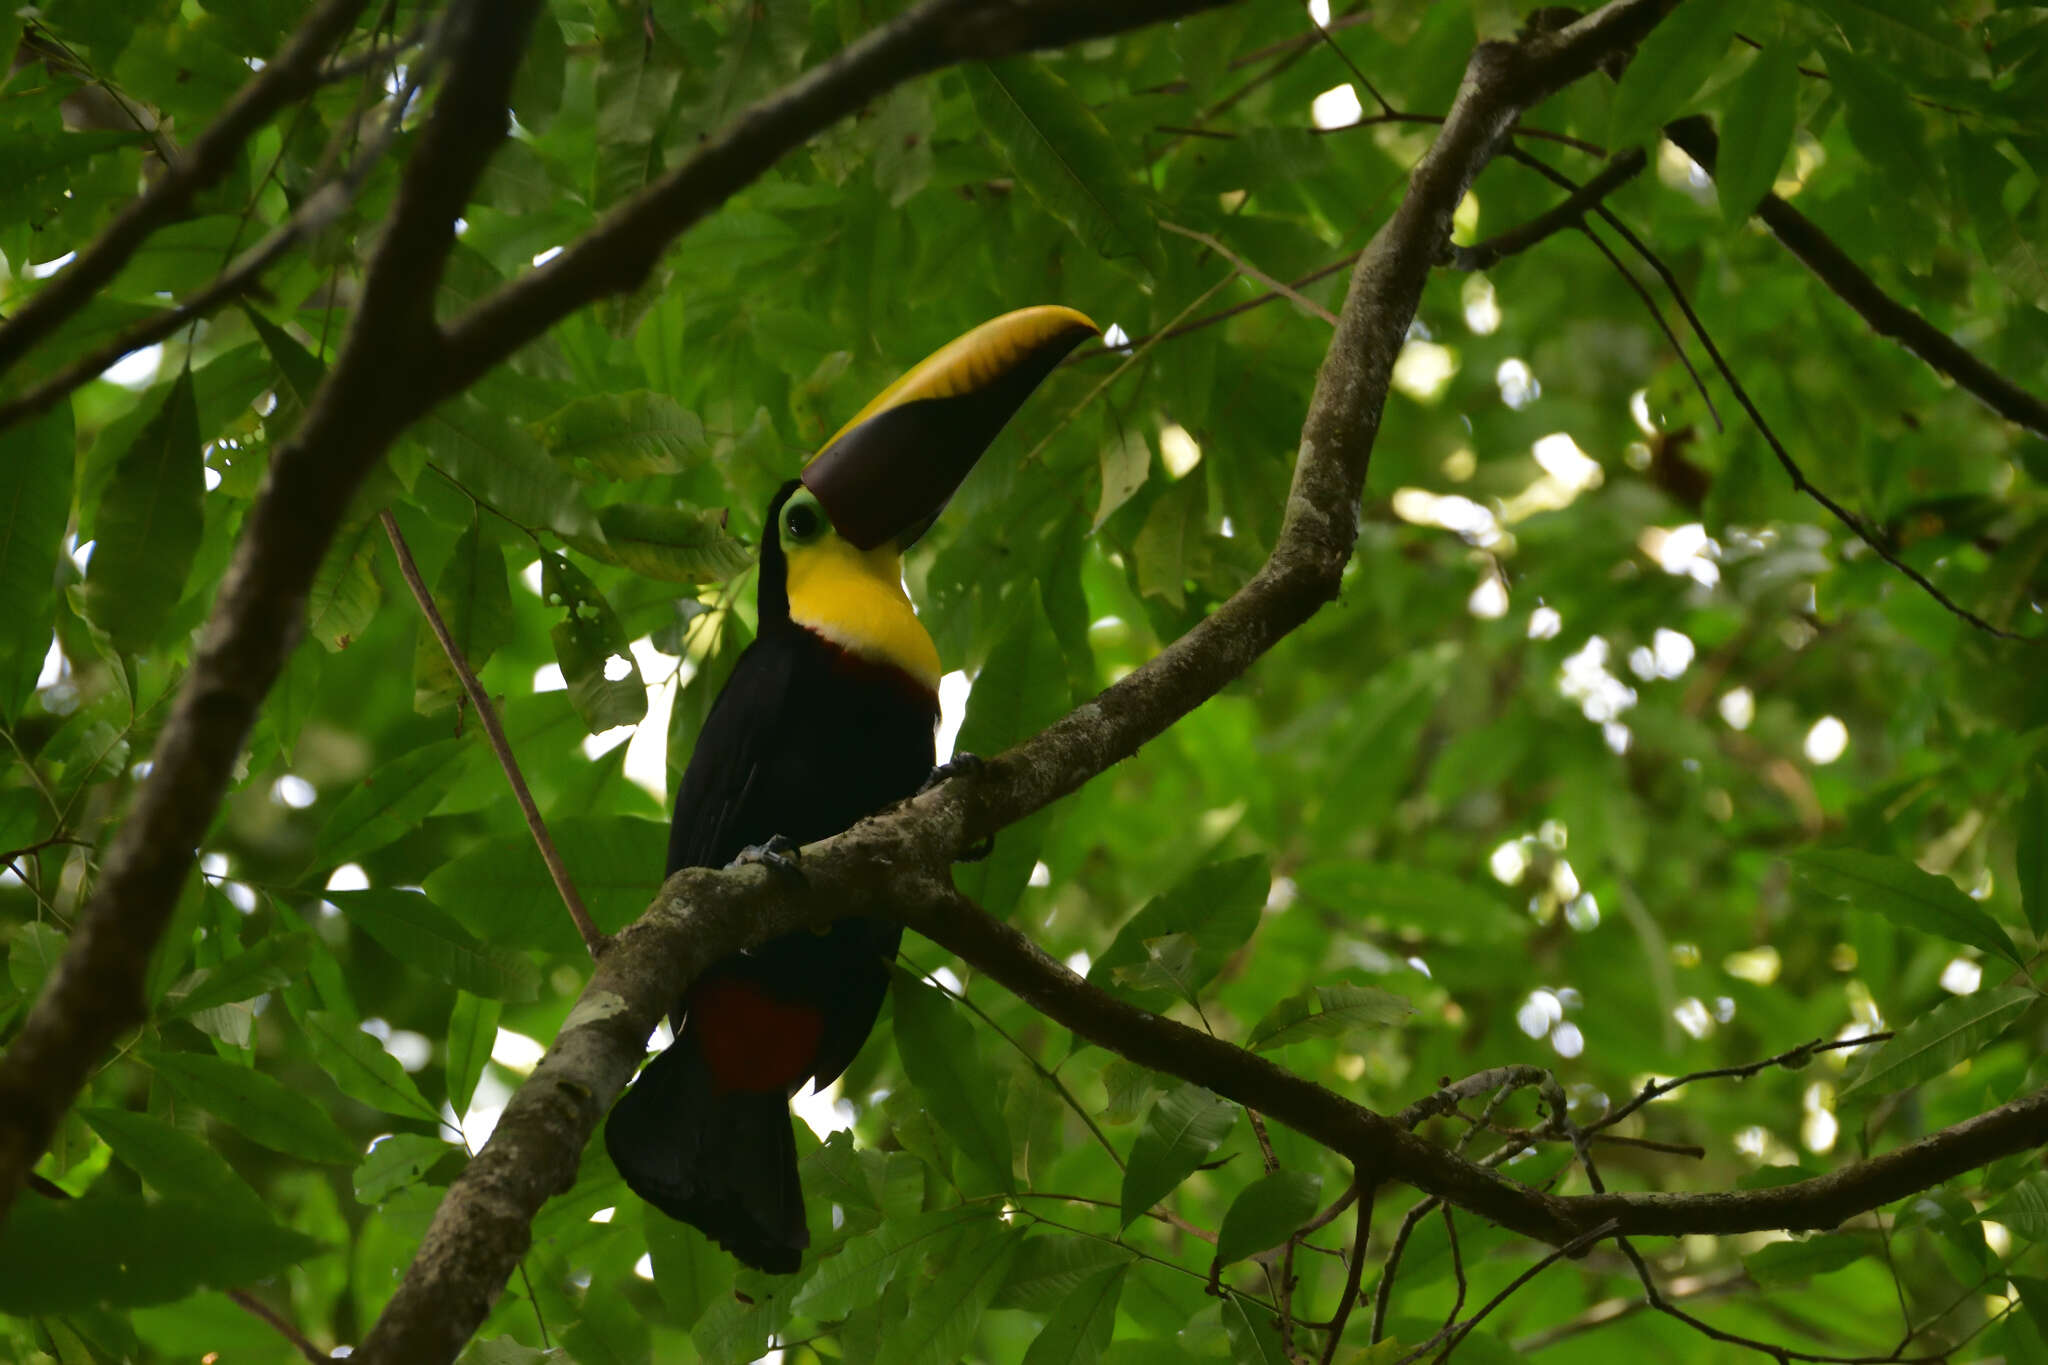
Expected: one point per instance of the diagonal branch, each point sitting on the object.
(1889, 318)
(594, 939)
(96, 993)
(292, 74)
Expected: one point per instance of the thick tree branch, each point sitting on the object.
(1887, 317)
(882, 866)
(617, 255)
(96, 992)
(291, 75)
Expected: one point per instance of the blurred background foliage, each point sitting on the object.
(1553, 771)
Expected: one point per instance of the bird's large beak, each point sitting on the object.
(887, 474)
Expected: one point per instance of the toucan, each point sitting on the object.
(829, 715)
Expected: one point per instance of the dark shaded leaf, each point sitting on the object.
(942, 1060)
(1185, 1126)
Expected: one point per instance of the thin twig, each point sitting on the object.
(1252, 272)
(1791, 466)
(285, 1327)
(1791, 1059)
(1450, 1338)
(1354, 1273)
(1650, 302)
(1569, 213)
(287, 77)
(1853, 285)
(594, 939)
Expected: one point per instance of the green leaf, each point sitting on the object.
(501, 890)
(1669, 67)
(1126, 460)
(54, 1253)
(2030, 851)
(175, 1163)
(943, 1316)
(1217, 907)
(1082, 1322)
(1050, 1269)
(1060, 151)
(2017, 255)
(1945, 1035)
(476, 606)
(1019, 691)
(395, 1162)
(273, 962)
(1184, 1127)
(942, 1060)
(689, 1272)
(420, 934)
(1253, 1339)
(32, 956)
(673, 544)
(362, 1068)
(1328, 1012)
(500, 463)
(2024, 1207)
(592, 647)
(1788, 1263)
(1413, 898)
(1884, 123)
(255, 1105)
(35, 506)
(1266, 1213)
(1756, 132)
(390, 802)
(1907, 896)
(345, 593)
(146, 533)
(302, 370)
(630, 435)
(472, 1032)
(862, 1268)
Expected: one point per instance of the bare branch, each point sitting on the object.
(292, 73)
(1889, 318)
(595, 940)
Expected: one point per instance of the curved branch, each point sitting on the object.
(1849, 282)
(292, 74)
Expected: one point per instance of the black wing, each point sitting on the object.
(744, 725)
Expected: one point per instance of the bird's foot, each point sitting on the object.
(962, 764)
(777, 853)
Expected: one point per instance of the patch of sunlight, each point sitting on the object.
(1545, 623)
(1585, 679)
(1482, 305)
(1424, 369)
(1827, 741)
(1537, 1013)
(1460, 465)
(1337, 107)
(1737, 707)
(1683, 550)
(1177, 450)
(1961, 976)
(1473, 522)
(516, 1052)
(1508, 862)
(1489, 601)
(1758, 966)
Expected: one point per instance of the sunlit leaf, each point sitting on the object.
(1669, 66)
(362, 1068)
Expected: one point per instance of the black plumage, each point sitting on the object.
(805, 739)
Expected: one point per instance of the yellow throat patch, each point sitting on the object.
(855, 599)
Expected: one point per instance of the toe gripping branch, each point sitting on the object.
(962, 764)
(777, 853)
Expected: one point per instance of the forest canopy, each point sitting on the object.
(1512, 675)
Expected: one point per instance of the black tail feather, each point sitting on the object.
(724, 1162)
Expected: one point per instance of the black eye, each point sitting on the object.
(802, 520)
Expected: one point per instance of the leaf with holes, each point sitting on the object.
(597, 662)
